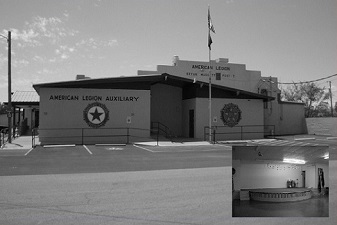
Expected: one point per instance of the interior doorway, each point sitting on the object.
(303, 178)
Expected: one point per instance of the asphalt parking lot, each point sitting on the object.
(97, 159)
(131, 185)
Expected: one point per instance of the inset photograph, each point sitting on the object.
(280, 181)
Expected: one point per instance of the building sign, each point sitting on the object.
(111, 98)
(96, 115)
(203, 70)
(230, 114)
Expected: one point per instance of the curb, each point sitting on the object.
(331, 138)
(110, 144)
(304, 139)
(56, 146)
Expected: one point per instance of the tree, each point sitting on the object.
(3, 108)
(308, 93)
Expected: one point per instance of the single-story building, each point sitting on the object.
(174, 99)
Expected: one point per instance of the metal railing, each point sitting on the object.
(120, 135)
(159, 128)
(238, 132)
(3, 136)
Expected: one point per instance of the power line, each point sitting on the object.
(311, 81)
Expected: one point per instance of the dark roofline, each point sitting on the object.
(255, 95)
(141, 82)
(91, 83)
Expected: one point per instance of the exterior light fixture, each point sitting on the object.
(295, 161)
(326, 156)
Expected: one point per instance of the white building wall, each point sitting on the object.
(252, 114)
(62, 118)
(237, 76)
(229, 74)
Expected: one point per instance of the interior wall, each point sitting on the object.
(254, 174)
(310, 175)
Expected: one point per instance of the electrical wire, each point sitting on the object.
(311, 81)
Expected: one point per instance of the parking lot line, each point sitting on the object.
(29, 151)
(88, 150)
(146, 149)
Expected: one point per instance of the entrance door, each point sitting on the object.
(191, 123)
(37, 118)
(303, 179)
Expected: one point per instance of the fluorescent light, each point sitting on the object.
(295, 161)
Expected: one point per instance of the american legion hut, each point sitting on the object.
(172, 101)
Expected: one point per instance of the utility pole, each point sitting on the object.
(331, 99)
(9, 110)
(9, 87)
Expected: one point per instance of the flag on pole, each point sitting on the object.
(209, 41)
(210, 28)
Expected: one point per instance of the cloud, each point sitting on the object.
(19, 62)
(62, 52)
(42, 30)
(93, 43)
(25, 38)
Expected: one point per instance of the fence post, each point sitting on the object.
(33, 138)
(158, 136)
(82, 132)
(213, 136)
(127, 135)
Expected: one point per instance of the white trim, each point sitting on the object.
(58, 146)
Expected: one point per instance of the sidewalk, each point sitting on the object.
(25, 142)
(169, 143)
(21, 142)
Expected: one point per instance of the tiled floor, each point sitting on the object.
(314, 207)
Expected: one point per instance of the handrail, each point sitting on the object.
(215, 130)
(82, 135)
(163, 128)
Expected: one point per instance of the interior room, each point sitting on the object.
(280, 181)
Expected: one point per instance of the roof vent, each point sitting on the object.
(222, 60)
(175, 60)
(81, 77)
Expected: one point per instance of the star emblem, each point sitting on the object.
(96, 115)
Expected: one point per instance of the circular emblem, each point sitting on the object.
(231, 114)
(96, 114)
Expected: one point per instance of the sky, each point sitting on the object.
(293, 40)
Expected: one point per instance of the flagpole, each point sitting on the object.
(210, 27)
(210, 94)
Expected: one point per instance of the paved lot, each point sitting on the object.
(96, 159)
(128, 185)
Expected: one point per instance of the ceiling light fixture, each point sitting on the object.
(295, 161)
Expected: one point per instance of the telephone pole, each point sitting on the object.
(9, 110)
(331, 99)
